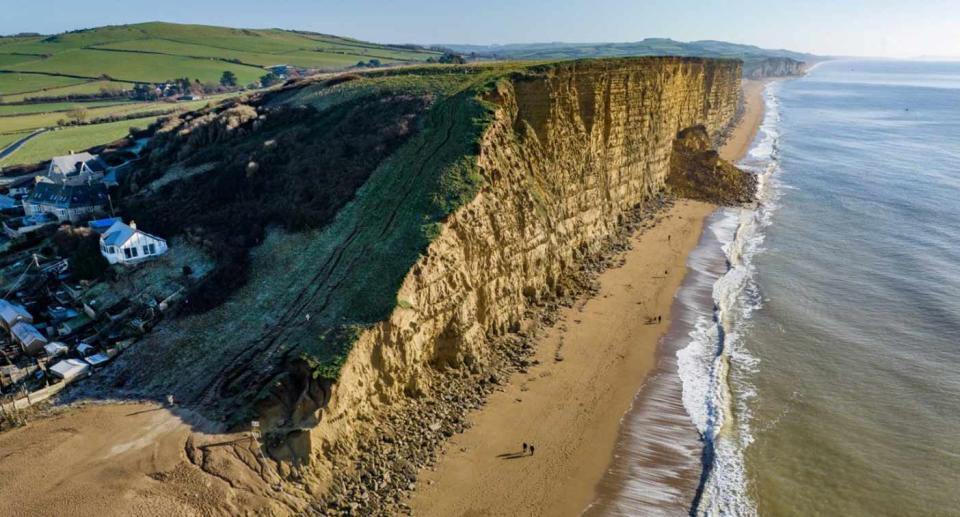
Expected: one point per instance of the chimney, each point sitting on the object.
(133, 224)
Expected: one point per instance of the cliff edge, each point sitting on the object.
(381, 237)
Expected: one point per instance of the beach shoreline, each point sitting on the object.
(572, 410)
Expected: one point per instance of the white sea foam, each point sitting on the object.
(714, 366)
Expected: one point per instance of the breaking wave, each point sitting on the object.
(714, 366)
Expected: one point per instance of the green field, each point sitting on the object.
(116, 57)
(62, 141)
(85, 88)
(10, 138)
(51, 107)
(10, 124)
(21, 83)
(132, 66)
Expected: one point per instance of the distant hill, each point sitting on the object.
(758, 61)
(154, 52)
(90, 73)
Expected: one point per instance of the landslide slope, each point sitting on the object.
(374, 233)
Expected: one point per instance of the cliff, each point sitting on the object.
(772, 67)
(501, 181)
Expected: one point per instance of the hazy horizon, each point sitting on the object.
(881, 28)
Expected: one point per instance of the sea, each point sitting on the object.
(813, 366)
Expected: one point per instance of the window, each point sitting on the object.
(126, 252)
(133, 252)
(153, 249)
(111, 250)
(146, 250)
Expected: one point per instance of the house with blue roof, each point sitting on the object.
(125, 244)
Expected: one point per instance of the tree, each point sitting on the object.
(79, 115)
(143, 92)
(228, 79)
(373, 63)
(269, 79)
(86, 263)
(451, 58)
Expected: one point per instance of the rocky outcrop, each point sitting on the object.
(698, 172)
(571, 149)
(773, 67)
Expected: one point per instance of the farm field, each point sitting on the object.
(9, 110)
(40, 76)
(62, 141)
(12, 83)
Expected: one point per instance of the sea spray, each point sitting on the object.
(714, 366)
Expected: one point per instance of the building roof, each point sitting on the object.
(69, 164)
(26, 333)
(7, 202)
(63, 195)
(23, 182)
(102, 225)
(11, 313)
(120, 233)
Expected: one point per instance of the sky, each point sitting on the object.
(882, 28)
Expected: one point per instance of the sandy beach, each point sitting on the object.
(571, 410)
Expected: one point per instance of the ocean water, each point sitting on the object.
(817, 347)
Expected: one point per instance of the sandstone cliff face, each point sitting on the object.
(774, 67)
(572, 147)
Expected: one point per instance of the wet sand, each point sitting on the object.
(572, 410)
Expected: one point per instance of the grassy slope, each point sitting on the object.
(52, 107)
(82, 88)
(161, 51)
(154, 52)
(23, 83)
(54, 143)
(345, 275)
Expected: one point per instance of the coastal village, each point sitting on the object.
(78, 284)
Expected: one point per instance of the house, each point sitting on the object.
(22, 185)
(67, 201)
(125, 244)
(23, 226)
(10, 206)
(30, 339)
(75, 168)
(12, 313)
(70, 369)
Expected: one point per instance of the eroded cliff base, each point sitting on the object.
(379, 477)
(698, 172)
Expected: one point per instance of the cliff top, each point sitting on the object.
(315, 200)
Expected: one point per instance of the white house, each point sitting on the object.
(75, 168)
(123, 244)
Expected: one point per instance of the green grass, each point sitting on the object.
(161, 51)
(13, 83)
(50, 107)
(38, 120)
(85, 88)
(8, 139)
(55, 143)
(128, 66)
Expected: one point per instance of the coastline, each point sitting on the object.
(572, 410)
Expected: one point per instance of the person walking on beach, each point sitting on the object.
(659, 318)
(524, 447)
(531, 449)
